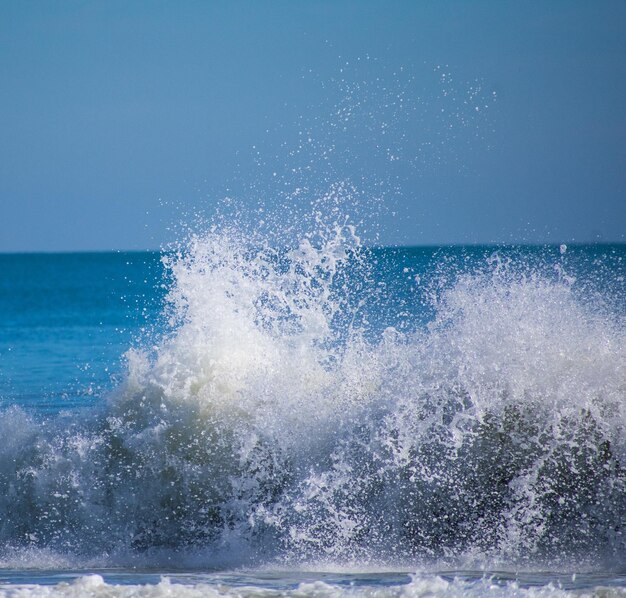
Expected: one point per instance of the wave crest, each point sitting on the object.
(275, 420)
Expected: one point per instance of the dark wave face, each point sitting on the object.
(326, 403)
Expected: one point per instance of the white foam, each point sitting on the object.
(271, 423)
(420, 586)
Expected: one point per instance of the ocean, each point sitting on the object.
(239, 417)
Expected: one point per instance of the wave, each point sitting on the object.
(418, 585)
(275, 422)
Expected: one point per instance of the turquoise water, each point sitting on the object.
(66, 321)
(322, 420)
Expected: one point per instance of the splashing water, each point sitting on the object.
(278, 420)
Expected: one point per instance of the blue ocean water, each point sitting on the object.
(67, 319)
(318, 419)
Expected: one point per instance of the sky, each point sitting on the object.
(454, 122)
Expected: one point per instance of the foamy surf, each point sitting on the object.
(275, 585)
(282, 419)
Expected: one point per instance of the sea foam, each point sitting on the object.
(273, 421)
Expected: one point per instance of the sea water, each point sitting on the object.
(237, 416)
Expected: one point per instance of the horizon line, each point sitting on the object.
(367, 246)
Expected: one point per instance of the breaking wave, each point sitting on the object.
(282, 418)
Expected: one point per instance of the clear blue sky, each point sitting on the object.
(118, 117)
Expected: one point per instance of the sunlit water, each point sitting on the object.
(321, 418)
